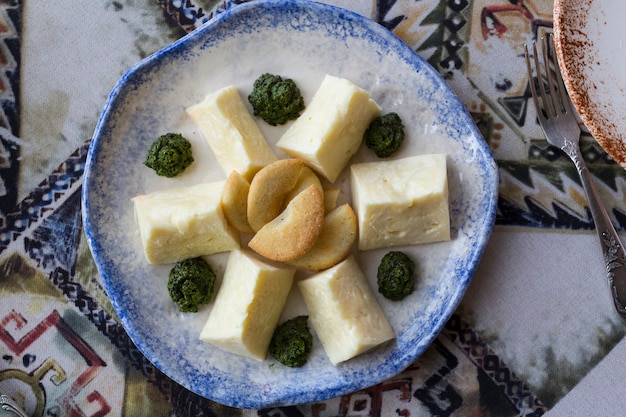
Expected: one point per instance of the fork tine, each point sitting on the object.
(554, 101)
(546, 80)
(546, 107)
(533, 89)
(555, 84)
(565, 101)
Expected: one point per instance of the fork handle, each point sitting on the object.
(10, 406)
(612, 249)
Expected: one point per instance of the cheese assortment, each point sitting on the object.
(401, 202)
(344, 311)
(232, 133)
(397, 202)
(181, 223)
(248, 305)
(330, 130)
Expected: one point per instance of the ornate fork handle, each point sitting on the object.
(8, 404)
(612, 249)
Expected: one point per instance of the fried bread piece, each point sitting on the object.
(295, 230)
(235, 202)
(274, 186)
(338, 234)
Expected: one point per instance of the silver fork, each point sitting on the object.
(558, 121)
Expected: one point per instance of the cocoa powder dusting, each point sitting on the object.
(576, 52)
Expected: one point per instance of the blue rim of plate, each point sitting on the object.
(202, 384)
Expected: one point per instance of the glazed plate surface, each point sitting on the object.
(590, 40)
(303, 41)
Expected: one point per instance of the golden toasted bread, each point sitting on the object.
(330, 199)
(274, 186)
(235, 202)
(333, 245)
(295, 230)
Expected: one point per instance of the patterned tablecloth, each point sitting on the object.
(535, 333)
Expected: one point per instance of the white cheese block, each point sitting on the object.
(344, 311)
(330, 130)
(232, 133)
(248, 305)
(401, 202)
(181, 223)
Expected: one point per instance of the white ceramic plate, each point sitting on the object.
(304, 41)
(590, 39)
